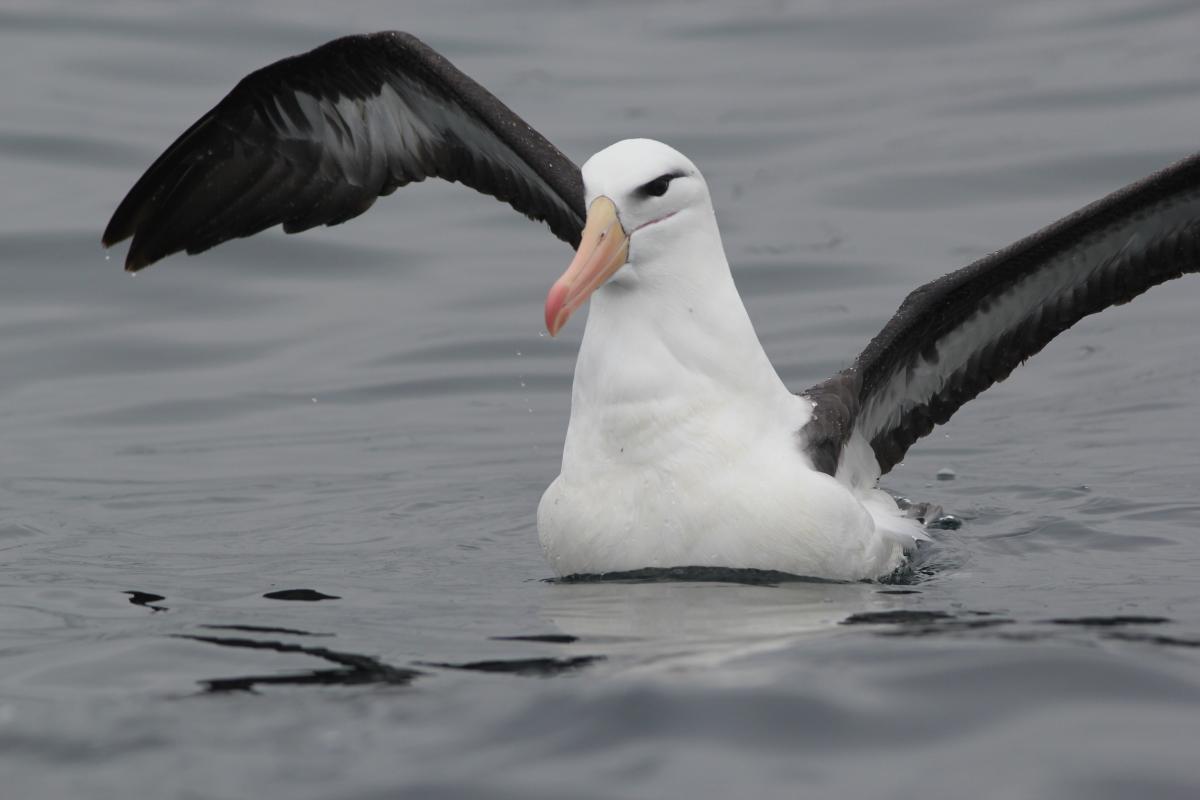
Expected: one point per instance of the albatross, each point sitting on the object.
(684, 447)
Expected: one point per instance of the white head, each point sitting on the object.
(639, 194)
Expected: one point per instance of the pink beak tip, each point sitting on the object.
(555, 301)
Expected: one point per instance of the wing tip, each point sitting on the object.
(136, 259)
(114, 233)
(117, 232)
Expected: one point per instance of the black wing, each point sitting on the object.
(316, 138)
(956, 336)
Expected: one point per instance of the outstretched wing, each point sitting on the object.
(316, 138)
(956, 336)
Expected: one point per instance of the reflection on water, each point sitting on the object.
(267, 514)
(352, 669)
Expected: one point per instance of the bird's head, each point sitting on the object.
(639, 195)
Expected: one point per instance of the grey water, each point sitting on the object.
(267, 514)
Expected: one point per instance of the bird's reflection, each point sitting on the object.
(670, 624)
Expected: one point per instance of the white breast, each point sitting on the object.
(758, 505)
(682, 450)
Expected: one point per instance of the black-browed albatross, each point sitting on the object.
(684, 447)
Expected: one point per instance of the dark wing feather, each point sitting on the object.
(956, 336)
(316, 138)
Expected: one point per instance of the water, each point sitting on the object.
(370, 413)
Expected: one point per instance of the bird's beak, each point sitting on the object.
(603, 249)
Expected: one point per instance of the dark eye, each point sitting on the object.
(658, 186)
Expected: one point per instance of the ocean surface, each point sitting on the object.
(267, 514)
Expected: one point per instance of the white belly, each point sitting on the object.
(745, 501)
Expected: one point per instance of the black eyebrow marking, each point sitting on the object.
(658, 186)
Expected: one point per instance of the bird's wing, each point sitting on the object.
(956, 336)
(316, 138)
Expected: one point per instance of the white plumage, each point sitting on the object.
(683, 446)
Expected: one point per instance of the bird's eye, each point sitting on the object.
(658, 186)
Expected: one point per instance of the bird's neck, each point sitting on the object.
(668, 351)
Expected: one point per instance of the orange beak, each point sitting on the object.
(603, 249)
